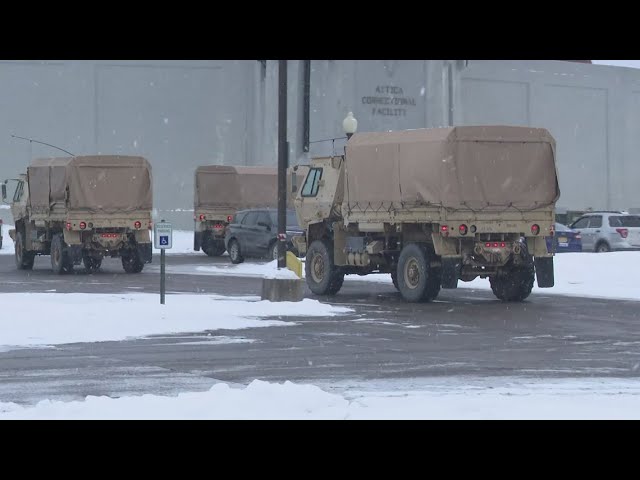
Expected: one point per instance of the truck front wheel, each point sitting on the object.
(323, 277)
(417, 280)
(24, 259)
(213, 247)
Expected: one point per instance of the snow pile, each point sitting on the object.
(33, 319)
(248, 269)
(562, 399)
(281, 273)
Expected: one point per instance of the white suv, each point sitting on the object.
(608, 231)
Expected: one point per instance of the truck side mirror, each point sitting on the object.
(4, 192)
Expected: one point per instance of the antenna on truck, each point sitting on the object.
(31, 140)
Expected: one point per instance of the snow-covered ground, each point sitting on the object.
(79, 317)
(599, 275)
(438, 399)
(609, 275)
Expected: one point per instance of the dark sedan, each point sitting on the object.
(565, 240)
(254, 233)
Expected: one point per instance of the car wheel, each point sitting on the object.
(234, 252)
(603, 247)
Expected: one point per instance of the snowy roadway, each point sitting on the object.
(464, 356)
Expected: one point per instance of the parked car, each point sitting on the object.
(608, 231)
(254, 233)
(565, 240)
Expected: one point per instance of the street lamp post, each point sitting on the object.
(282, 164)
(350, 125)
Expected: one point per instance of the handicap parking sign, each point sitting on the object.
(162, 235)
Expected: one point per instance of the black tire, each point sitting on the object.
(394, 276)
(323, 277)
(60, 261)
(131, 262)
(91, 264)
(513, 285)
(602, 247)
(273, 250)
(417, 280)
(211, 246)
(234, 252)
(24, 260)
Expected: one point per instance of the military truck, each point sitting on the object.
(432, 207)
(82, 209)
(220, 191)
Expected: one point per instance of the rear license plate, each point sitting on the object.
(562, 240)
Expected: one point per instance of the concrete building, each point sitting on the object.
(181, 114)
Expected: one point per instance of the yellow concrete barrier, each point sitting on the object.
(294, 264)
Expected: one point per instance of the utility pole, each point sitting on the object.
(282, 163)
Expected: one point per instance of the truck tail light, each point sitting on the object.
(83, 225)
(623, 232)
(229, 218)
(463, 229)
(68, 225)
(202, 217)
(137, 224)
(535, 229)
(218, 225)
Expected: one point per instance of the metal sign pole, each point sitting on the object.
(162, 281)
(162, 239)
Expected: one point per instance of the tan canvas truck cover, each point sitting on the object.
(238, 188)
(96, 184)
(481, 168)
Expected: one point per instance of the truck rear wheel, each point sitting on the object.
(131, 262)
(323, 277)
(60, 261)
(513, 285)
(417, 280)
(24, 259)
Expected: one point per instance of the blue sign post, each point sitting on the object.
(162, 240)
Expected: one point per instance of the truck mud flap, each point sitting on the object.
(451, 269)
(197, 241)
(544, 271)
(145, 252)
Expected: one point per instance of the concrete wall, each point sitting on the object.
(593, 112)
(178, 114)
(181, 114)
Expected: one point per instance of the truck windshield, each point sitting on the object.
(310, 187)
